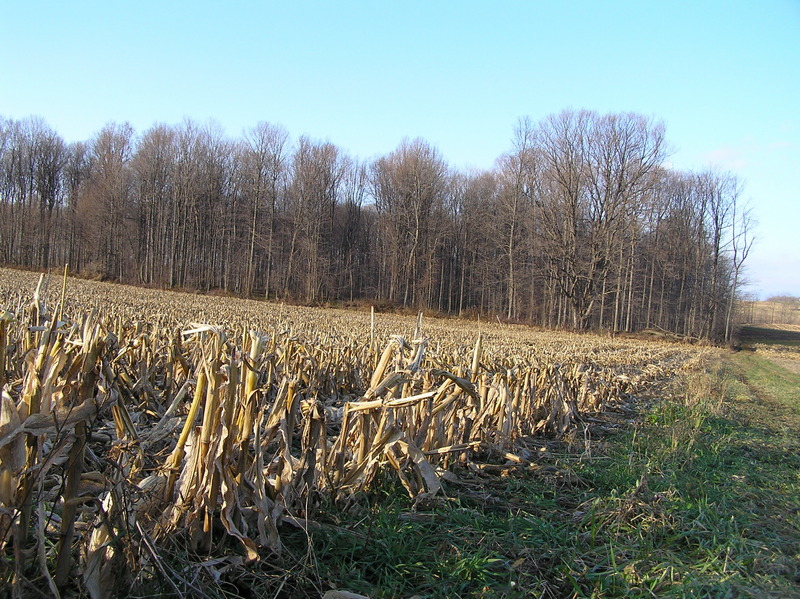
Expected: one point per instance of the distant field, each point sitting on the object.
(780, 344)
(770, 312)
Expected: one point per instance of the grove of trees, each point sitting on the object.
(581, 224)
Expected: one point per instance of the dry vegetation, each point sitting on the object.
(133, 419)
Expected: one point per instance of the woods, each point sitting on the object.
(582, 224)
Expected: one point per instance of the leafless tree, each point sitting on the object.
(597, 172)
(408, 188)
(317, 171)
(104, 204)
(263, 166)
(515, 215)
(741, 242)
(153, 166)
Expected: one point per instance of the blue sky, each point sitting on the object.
(724, 77)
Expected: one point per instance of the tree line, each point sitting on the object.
(580, 224)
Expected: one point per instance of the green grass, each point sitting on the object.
(697, 496)
(715, 510)
(778, 388)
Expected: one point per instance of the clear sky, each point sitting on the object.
(723, 75)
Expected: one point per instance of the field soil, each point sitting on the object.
(784, 334)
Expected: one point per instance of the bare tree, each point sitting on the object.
(352, 243)
(518, 176)
(408, 187)
(104, 205)
(578, 225)
(262, 169)
(317, 172)
(597, 172)
(32, 160)
(154, 168)
(741, 242)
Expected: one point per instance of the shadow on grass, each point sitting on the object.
(752, 334)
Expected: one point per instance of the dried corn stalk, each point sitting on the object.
(121, 418)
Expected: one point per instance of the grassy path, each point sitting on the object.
(763, 458)
(703, 499)
(777, 387)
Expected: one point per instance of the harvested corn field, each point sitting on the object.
(132, 418)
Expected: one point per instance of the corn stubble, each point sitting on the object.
(124, 430)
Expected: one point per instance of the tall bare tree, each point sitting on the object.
(515, 215)
(598, 170)
(263, 170)
(154, 167)
(408, 186)
(741, 242)
(104, 204)
(317, 173)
